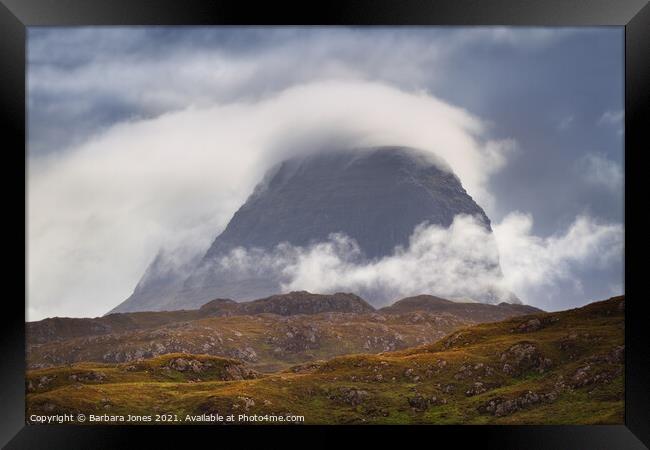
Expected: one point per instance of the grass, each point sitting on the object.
(376, 388)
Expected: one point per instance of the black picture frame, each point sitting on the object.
(16, 15)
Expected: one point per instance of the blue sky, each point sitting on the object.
(543, 109)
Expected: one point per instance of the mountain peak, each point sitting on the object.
(374, 196)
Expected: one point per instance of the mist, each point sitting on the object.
(144, 141)
(459, 263)
(107, 207)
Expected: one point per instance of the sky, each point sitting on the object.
(149, 138)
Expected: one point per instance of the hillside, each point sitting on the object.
(475, 312)
(291, 304)
(545, 368)
(269, 334)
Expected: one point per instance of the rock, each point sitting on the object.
(530, 325)
(615, 356)
(184, 365)
(351, 396)
(238, 372)
(476, 389)
(421, 403)
(418, 402)
(43, 382)
(449, 388)
(588, 375)
(508, 369)
(478, 370)
(179, 364)
(247, 402)
(87, 376)
(309, 367)
(549, 397)
(522, 357)
(454, 340)
(501, 407)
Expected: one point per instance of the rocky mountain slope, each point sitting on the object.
(545, 368)
(291, 304)
(269, 333)
(376, 196)
(475, 312)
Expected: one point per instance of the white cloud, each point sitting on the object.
(98, 213)
(119, 62)
(611, 118)
(459, 262)
(534, 267)
(81, 79)
(596, 169)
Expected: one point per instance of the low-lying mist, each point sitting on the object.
(463, 262)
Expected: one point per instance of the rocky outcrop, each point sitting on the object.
(523, 357)
(350, 396)
(501, 407)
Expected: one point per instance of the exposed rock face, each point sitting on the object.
(374, 196)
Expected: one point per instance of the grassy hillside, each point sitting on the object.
(270, 334)
(267, 342)
(564, 367)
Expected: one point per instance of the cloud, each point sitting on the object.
(84, 79)
(535, 267)
(522, 39)
(597, 170)
(459, 262)
(611, 118)
(99, 212)
(148, 138)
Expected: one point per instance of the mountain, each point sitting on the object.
(478, 312)
(375, 196)
(291, 304)
(268, 334)
(546, 368)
